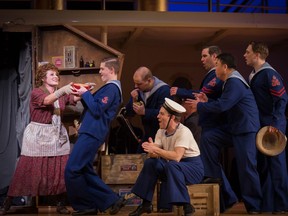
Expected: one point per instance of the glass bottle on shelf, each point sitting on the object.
(81, 62)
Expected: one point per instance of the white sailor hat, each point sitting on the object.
(173, 108)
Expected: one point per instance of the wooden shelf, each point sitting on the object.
(78, 71)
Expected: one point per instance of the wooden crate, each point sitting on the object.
(121, 168)
(204, 198)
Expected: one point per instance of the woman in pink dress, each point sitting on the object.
(46, 147)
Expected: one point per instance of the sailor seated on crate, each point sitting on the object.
(174, 159)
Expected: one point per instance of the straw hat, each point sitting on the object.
(270, 143)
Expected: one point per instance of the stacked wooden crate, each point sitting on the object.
(204, 198)
(120, 172)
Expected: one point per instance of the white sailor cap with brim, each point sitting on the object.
(173, 108)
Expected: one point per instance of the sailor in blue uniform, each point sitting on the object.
(238, 104)
(87, 193)
(212, 87)
(146, 100)
(271, 97)
(174, 159)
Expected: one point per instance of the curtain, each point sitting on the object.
(15, 87)
(24, 89)
(8, 111)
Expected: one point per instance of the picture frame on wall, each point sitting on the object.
(69, 56)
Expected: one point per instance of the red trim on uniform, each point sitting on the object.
(207, 90)
(278, 93)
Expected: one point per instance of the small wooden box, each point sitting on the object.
(204, 198)
(121, 168)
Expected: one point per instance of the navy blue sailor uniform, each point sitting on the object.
(85, 188)
(152, 102)
(212, 87)
(209, 121)
(238, 103)
(271, 97)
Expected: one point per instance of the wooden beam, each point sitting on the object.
(132, 37)
(146, 18)
(213, 39)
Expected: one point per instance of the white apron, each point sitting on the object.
(46, 139)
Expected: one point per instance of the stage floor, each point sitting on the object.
(237, 210)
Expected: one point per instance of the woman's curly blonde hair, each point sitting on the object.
(42, 72)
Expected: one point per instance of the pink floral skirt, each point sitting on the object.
(39, 176)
